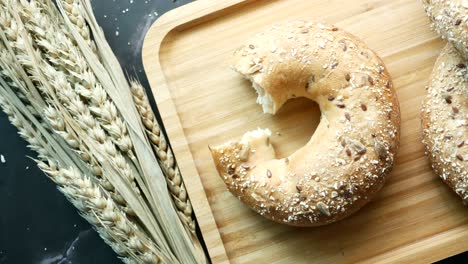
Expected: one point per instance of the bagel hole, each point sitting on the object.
(292, 126)
(296, 122)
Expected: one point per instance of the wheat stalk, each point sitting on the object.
(59, 87)
(186, 247)
(58, 91)
(63, 54)
(74, 87)
(166, 158)
(165, 155)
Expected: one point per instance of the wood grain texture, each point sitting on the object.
(414, 219)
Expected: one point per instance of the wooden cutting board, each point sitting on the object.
(415, 218)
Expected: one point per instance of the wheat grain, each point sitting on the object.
(74, 13)
(165, 155)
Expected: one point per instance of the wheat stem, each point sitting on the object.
(166, 157)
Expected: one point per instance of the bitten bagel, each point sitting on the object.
(450, 19)
(352, 150)
(444, 120)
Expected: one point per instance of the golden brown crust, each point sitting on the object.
(444, 120)
(450, 19)
(353, 148)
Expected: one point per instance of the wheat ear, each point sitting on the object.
(166, 157)
(7, 63)
(64, 55)
(74, 13)
(115, 228)
(82, 115)
(65, 131)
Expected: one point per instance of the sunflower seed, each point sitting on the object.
(323, 208)
(380, 150)
(244, 152)
(357, 146)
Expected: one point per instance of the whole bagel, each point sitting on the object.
(450, 19)
(444, 120)
(352, 150)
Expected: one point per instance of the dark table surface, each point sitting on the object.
(37, 224)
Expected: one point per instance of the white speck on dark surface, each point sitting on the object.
(2, 159)
(116, 33)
